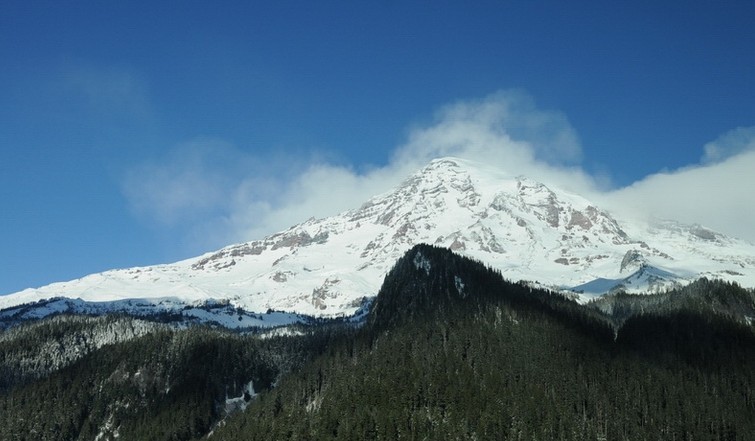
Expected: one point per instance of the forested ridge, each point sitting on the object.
(450, 350)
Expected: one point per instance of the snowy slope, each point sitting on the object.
(326, 267)
(174, 310)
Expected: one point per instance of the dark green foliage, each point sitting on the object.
(167, 384)
(40, 348)
(453, 284)
(702, 296)
(450, 351)
(705, 341)
(503, 361)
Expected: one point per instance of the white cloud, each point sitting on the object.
(506, 129)
(503, 126)
(224, 195)
(732, 143)
(720, 195)
(320, 190)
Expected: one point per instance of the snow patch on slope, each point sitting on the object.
(167, 309)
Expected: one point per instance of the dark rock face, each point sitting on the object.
(703, 233)
(631, 259)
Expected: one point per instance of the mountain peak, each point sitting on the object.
(524, 228)
(446, 162)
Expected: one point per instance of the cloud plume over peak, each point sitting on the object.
(505, 129)
(223, 194)
(217, 187)
(506, 119)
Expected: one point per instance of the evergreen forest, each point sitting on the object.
(449, 351)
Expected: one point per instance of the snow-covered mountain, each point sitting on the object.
(524, 228)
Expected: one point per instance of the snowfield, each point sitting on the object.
(328, 267)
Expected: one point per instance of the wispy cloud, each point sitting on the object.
(505, 128)
(730, 144)
(503, 123)
(716, 194)
(224, 194)
(105, 88)
(186, 186)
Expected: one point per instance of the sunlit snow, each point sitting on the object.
(328, 267)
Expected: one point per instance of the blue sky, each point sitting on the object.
(136, 133)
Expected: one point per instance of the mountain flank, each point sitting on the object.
(527, 230)
(448, 350)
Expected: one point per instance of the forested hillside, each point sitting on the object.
(449, 350)
(703, 296)
(454, 352)
(165, 384)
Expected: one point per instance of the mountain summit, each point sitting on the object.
(524, 228)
